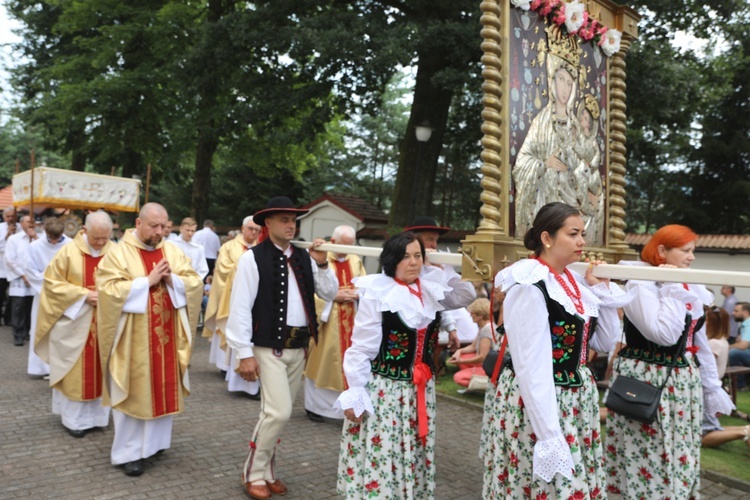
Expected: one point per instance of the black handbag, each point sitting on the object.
(635, 399)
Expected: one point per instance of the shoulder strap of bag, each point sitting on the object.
(499, 362)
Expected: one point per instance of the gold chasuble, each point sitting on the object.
(146, 356)
(218, 309)
(70, 346)
(325, 362)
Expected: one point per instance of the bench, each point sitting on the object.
(730, 379)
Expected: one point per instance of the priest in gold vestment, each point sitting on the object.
(66, 333)
(218, 309)
(149, 300)
(324, 372)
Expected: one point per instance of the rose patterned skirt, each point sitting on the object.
(487, 433)
(383, 457)
(661, 460)
(509, 449)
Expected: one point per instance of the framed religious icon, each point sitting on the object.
(553, 122)
(558, 108)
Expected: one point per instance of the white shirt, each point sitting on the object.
(526, 323)
(466, 329)
(15, 259)
(658, 312)
(40, 254)
(441, 289)
(239, 327)
(194, 252)
(210, 242)
(3, 240)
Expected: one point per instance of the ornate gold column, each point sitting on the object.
(627, 22)
(492, 146)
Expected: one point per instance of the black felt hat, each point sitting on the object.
(277, 205)
(425, 223)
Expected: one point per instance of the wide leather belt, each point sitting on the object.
(297, 337)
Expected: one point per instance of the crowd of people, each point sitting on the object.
(111, 320)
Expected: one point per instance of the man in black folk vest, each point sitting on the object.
(271, 320)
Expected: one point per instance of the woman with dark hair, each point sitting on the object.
(664, 326)
(387, 445)
(546, 437)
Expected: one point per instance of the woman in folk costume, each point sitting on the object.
(547, 440)
(389, 451)
(665, 322)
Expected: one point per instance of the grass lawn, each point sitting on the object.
(731, 459)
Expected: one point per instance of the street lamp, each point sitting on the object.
(423, 131)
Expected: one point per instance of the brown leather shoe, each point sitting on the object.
(277, 487)
(258, 491)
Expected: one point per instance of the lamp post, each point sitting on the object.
(423, 132)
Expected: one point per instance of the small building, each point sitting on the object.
(331, 210)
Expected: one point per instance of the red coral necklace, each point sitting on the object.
(575, 294)
(417, 293)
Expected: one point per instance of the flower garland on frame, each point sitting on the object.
(573, 16)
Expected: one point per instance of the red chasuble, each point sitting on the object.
(346, 309)
(165, 381)
(90, 362)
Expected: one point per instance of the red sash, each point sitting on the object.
(91, 376)
(346, 310)
(165, 382)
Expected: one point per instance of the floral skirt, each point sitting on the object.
(661, 460)
(487, 434)
(383, 457)
(509, 450)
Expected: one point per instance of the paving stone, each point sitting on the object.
(38, 459)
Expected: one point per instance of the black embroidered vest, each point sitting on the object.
(570, 336)
(269, 310)
(395, 360)
(639, 347)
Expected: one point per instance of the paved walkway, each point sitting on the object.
(38, 459)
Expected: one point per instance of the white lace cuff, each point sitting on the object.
(552, 456)
(717, 401)
(356, 398)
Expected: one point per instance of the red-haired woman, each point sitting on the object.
(662, 460)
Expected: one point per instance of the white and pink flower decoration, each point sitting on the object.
(576, 20)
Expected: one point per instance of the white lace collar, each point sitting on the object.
(530, 271)
(394, 297)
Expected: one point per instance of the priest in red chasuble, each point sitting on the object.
(66, 333)
(149, 300)
(324, 373)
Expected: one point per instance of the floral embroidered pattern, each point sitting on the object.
(508, 452)
(660, 460)
(383, 457)
(563, 341)
(397, 345)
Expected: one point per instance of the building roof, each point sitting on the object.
(727, 242)
(357, 207)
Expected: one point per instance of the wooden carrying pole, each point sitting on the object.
(611, 271)
(31, 203)
(148, 181)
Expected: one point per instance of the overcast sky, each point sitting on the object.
(6, 37)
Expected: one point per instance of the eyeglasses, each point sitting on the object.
(254, 230)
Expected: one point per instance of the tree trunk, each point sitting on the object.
(204, 153)
(418, 162)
